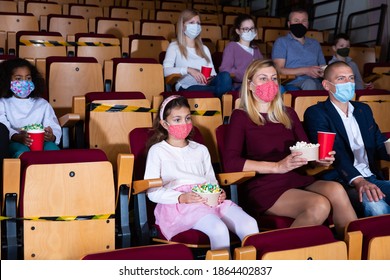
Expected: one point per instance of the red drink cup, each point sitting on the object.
(206, 71)
(326, 141)
(38, 138)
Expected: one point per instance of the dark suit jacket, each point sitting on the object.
(324, 117)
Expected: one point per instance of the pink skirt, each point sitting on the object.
(175, 218)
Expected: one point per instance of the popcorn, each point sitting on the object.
(206, 188)
(309, 151)
(303, 145)
(35, 126)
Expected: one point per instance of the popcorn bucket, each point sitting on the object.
(212, 198)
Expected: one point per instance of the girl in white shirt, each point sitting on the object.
(183, 163)
(20, 105)
(187, 55)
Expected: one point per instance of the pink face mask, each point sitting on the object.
(267, 91)
(180, 131)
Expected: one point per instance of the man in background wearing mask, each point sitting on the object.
(341, 47)
(359, 143)
(295, 54)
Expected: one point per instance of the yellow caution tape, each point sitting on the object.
(61, 218)
(52, 43)
(98, 107)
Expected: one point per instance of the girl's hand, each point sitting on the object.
(199, 77)
(49, 136)
(290, 162)
(22, 137)
(327, 161)
(191, 197)
(222, 196)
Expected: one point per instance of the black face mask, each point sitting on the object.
(299, 30)
(344, 52)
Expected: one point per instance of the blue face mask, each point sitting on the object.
(344, 92)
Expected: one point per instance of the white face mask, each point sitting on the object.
(248, 36)
(192, 30)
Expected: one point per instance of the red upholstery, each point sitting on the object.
(189, 94)
(56, 157)
(153, 252)
(370, 227)
(236, 95)
(287, 239)
(264, 221)
(361, 92)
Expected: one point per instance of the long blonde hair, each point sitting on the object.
(185, 16)
(276, 111)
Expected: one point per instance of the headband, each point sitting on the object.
(164, 104)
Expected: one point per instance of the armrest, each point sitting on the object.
(354, 242)
(245, 253)
(172, 79)
(227, 105)
(69, 120)
(125, 166)
(78, 106)
(233, 178)
(385, 167)
(316, 170)
(142, 185)
(284, 79)
(222, 254)
(108, 73)
(11, 182)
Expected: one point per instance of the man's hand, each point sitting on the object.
(372, 191)
(314, 71)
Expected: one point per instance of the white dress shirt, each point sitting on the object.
(355, 141)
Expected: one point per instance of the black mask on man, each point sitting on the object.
(298, 29)
(344, 52)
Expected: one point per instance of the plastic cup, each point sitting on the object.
(326, 141)
(387, 145)
(206, 71)
(212, 198)
(38, 139)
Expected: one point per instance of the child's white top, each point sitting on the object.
(16, 113)
(175, 63)
(177, 167)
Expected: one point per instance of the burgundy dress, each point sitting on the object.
(269, 142)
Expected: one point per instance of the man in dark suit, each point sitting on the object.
(359, 143)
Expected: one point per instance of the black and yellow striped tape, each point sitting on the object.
(98, 107)
(50, 43)
(61, 218)
(207, 113)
